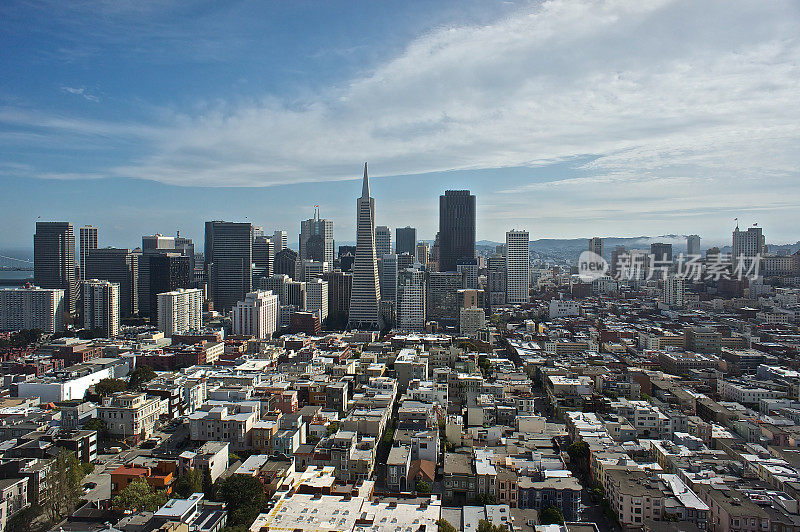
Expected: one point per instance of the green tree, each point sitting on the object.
(332, 428)
(140, 496)
(191, 482)
(487, 526)
(244, 496)
(422, 487)
(99, 425)
(551, 516)
(63, 487)
(579, 455)
(485, 498)
(107, 387)
(445, 526)
(208, 484)
(139, 376)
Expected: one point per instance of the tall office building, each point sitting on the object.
(442, 294)
(693, 245)
(256, 315)
(518, 267)
(159, 244)
(496, 280)
(317, 298)
(31, 307)
(747, 243)
(617, 255)
(281, 240)
(468, 267)
(411, 300)
(456, 228)
(87, 241)
(117, 265)
(180, 311)
(596, 245)
(661, 252)
(366, 293)
(389, 269)
(316, 239)
(383, 241)
(423, 252)
(287, 262)
(673, 292)
(263, 256)
(405, 240)
(404, 260)
(101, 306)
(313, 269)
(228, 262)
(340, 286)
(54, 260)
(165, 272)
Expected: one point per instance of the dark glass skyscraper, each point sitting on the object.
(168, 272)
(456, 228)
(228, 262)
(405, 240)
(54, 260)
(117, 265)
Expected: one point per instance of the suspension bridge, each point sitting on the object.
(15, 264)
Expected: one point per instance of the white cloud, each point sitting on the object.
(682, 107)
(82, 92)
(644, 86)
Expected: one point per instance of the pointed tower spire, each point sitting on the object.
(365, 184)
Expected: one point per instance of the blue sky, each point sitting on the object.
(566, 118)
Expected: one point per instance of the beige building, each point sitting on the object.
(130, 414)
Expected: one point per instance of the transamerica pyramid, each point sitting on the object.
(366, 293)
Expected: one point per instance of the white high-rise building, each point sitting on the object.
(317, 298)
(411, 300)
(314, 269)
(383, 241)
(180, 311)
(256, 315)
(31, 307)
(747, 243)
(471, 320)
(101, 306)
(673, 293)
(366, 293)
(280, 239)
(518, 269)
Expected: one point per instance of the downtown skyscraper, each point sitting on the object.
(518, 267)
(88, 241)
(228, 262)
(54, 260)
(366, 293)
(456, 228)
(316, 239)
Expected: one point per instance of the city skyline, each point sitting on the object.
(658, 138)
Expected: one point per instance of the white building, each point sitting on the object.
(673, 293)
(518, 269)
(317, 298)
(411, 300)
(64, 386)
(257, 315)
(560, 308)
(180, 311)
(472, 320)
(101, 306)
(32, 308)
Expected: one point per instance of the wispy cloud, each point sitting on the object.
(82, 92)
(676, 103)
